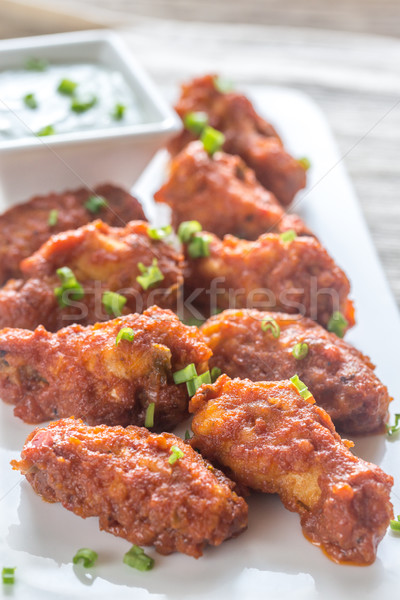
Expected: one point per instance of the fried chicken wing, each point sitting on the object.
(102, 259)
(24, 228)
(82, 371)
(125, 477)
(269, 273)
(222, 193)
(341, 379)
(272, 440)
(246, 134)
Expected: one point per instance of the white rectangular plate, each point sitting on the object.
(271, 559)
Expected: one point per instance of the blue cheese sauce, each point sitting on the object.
(53, 112)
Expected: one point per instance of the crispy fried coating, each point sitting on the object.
(246, 134)
(270, 439)
(82, 372)
(102, 258)
(24, 228)
(294, 277)
(223, 194)
(341, 379)
(123, 476)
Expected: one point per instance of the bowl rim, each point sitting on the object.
(169, 122)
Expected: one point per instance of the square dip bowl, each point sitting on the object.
(85, 147)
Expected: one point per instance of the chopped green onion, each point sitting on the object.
(118, 112)
(215, 373)
(301, 387)
(300, 350)
(67, 87)
(199, 246)
(69, 284)
(113, 303)
(137, 559)
(159, 233)
(81, 106)
(47, 130)
(86, 556)
(150, 275)
(305, 162)
(30, 101)
(36, 64)
(223, 85)
(187, 434)
(212, 139)
(8, 575)
(193, 322)
(392, 429)
(53, 218)
(338, 324)
(187, 229)
(149, 418)
(175, 454)
(185, 374)
(196, 122)
(95, 203)
(270, 324)
(126, 333)
(194, 384)
(395, 524)
(288, 236)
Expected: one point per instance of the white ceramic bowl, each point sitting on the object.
(37, 165)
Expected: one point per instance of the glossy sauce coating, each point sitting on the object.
(246, 134)
(25, 227)
(81, 372)
(222, 193)
(267, 437)
(123, 476)
(341, 379)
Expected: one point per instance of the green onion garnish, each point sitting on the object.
(270, 324)
(36, 64)
(8, 575)
(86, 556)
(212, 139)
(187, 434)
(67, 87)
(95, 203)
(118, 112)
(195, 122)
(47, 130)
(185, 374)
(113, 303)
(223, 85)
(300, 350)
(53, 218)
(215, 373)
(187, 229)
(392, 429)
(30, 101)
(199, 246)
(126, 333)
(301, 387)
(137, 559)
(288, 236)
(149, 418)
(159, 233)
(80, 106)
(69, 284)
(149, 275)
(175, 454)
(194, 384)
(305, 162)
(338, 324)
(395, 524)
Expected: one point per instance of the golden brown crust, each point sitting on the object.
(123, 477)
(274, 441)
(246, 134)
(25, 227)
(81, 372)
(341, 379)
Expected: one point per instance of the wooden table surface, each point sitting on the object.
(318, 46)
